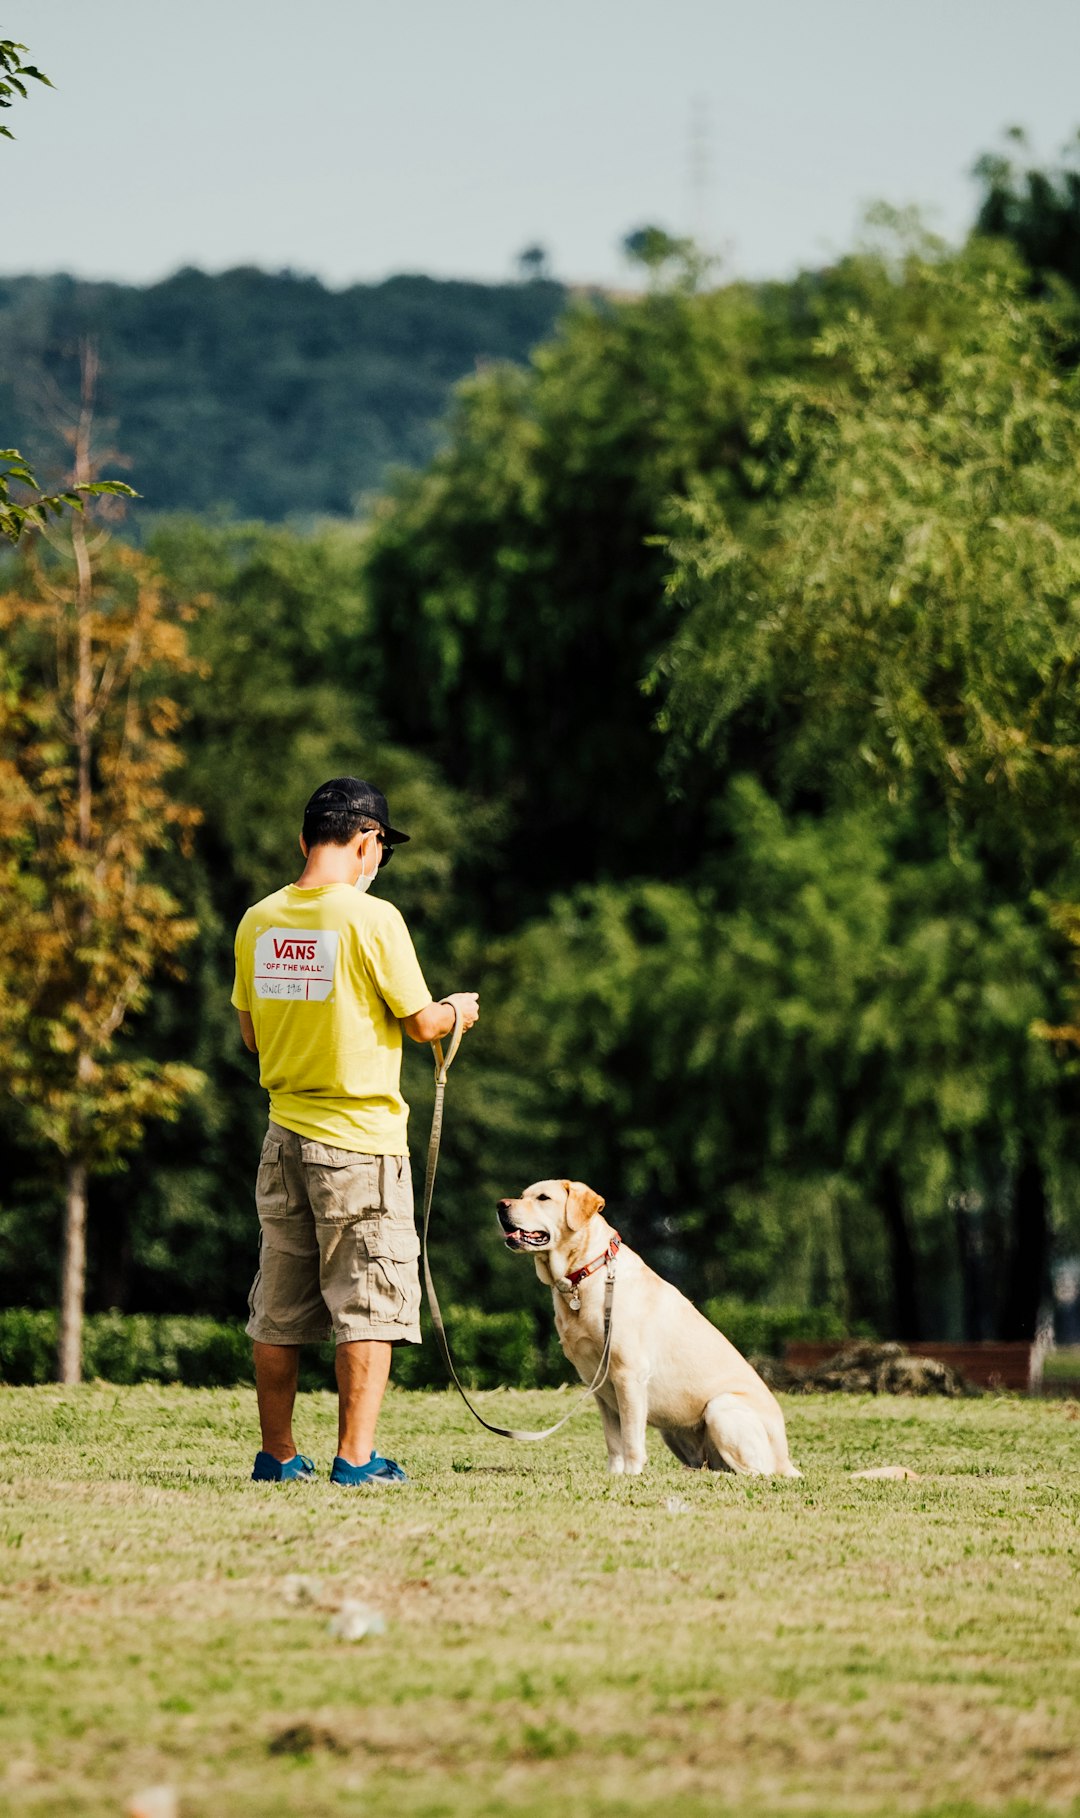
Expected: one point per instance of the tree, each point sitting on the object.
(812, 1068)
(280, 700)
(906, 632)
(87, 742)
(517, 585)
(1038, 210)
(907, 629)
(533, 263)
(208, 376)
(662, 253)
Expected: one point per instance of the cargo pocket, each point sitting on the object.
(393, 1279)
(271, 1197)
(342, 1186)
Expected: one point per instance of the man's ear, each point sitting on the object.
(581, 1203)
(303, 845)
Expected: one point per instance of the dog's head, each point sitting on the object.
(547, 1214)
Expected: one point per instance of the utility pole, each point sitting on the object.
(699, 171)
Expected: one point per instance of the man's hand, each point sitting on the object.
(436, 1020)
(468, 1002)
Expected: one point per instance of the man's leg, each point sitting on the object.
(363, 1370)
(276, 1371)
(285, 1296)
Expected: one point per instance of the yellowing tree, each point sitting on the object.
(87, 750)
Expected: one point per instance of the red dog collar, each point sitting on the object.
(597, 1261)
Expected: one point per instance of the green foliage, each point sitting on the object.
(909, 629)
(721, 663)
(279, 699)
(491, 1350)
(763, 1330)
(516, 586)
(28, 1345)
(31, 508)
(759, 1057)
(128, 1348)
(1037, 209)
(262, 395)
(662, 253)
(14, 75)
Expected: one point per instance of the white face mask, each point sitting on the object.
(364, 882)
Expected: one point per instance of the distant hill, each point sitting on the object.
(263, 395)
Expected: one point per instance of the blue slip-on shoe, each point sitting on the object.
(269, 1469)
(378, 1471)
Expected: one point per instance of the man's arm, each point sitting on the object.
(437, 1019)
(247, 1030)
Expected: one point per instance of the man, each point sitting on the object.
(326, 979)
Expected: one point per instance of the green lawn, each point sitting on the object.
(556, 1643)
(1063, 1365)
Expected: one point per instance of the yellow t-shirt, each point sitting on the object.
(325, 975)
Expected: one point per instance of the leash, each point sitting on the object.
(442, 1068)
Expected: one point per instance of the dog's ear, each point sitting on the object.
(581, 1203)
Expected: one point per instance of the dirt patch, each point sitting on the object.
(866, 1369)
(306, 1739)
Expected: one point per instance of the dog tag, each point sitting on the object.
(575, 1302)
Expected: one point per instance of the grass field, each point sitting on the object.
(557, 1643)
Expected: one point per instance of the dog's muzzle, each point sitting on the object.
(517, 1237)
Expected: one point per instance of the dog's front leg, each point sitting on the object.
(612, 1436)
(632, 1397)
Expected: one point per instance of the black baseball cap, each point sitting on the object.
(349, 795)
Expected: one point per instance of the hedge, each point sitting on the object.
(490, 1349)
(764, 1331)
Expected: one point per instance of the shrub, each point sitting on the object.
(27, 1345)
(515, 1349)
(128, 1348)
(764, 1331)
(489, 1349)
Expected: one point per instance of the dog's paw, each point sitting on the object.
(615, 1467)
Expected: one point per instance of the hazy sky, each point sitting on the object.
(353, 138)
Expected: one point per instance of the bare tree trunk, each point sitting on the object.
(1029, 1251)
(73, 1276)
(905, 1302)
(73, 1266)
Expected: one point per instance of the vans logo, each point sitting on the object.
(294, 950)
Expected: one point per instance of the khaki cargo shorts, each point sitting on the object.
(338, 1247)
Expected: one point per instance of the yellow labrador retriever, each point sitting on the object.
(670, 1367)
